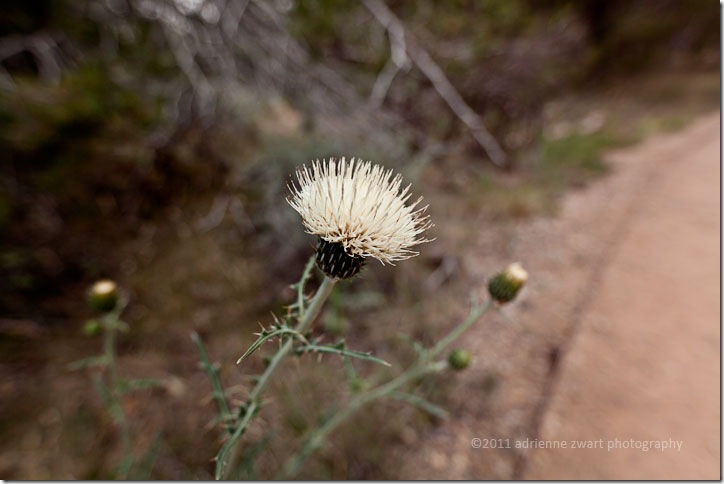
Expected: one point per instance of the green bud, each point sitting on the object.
(103, 296)
(504, 286)
(92, 327)
(357, 385)
(459, 359)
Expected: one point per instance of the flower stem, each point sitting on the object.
(308, 317)
(316, 439)
(423, 366)
(116, 403)
(305, 320)
(475, 313)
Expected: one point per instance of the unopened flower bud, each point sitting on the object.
(357, 385)
(103, 296)
(504, 286)
(459, 359)
(92, 327)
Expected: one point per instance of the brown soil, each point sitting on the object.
(615, 337)
(644, 362)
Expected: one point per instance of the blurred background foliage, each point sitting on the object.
(148, 102)
(151, 141)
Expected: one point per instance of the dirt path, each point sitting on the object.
(644, 363)
(615, 337)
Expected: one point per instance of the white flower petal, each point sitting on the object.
(359, 205)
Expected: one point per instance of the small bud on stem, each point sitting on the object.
(103, 296)
(504, 286)
(459, 359)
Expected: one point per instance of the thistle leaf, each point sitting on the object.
(267, 335)
(339, 349)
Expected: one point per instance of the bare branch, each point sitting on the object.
(398, 60)
(216, 214)
(49, 51)
(249, 44)
(185, 60)
(432, 71)
(458, 105)
(382, 84)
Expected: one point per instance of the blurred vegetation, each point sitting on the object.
(151, 142)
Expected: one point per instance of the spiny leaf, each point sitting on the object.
(213, 375)
(339, 350)
(299, 306)
(269, 335)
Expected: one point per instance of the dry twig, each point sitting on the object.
(432, 71)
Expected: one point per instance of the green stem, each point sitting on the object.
(230, 448)
(476, 312)
(316, 439)
(423, 366)
(309, 316)
(109, 347)
(306, 319)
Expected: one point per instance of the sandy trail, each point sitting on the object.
(616, 335)
(643, 362)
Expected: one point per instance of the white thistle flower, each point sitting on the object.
(358, 210)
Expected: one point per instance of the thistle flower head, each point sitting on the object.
(358, 210)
